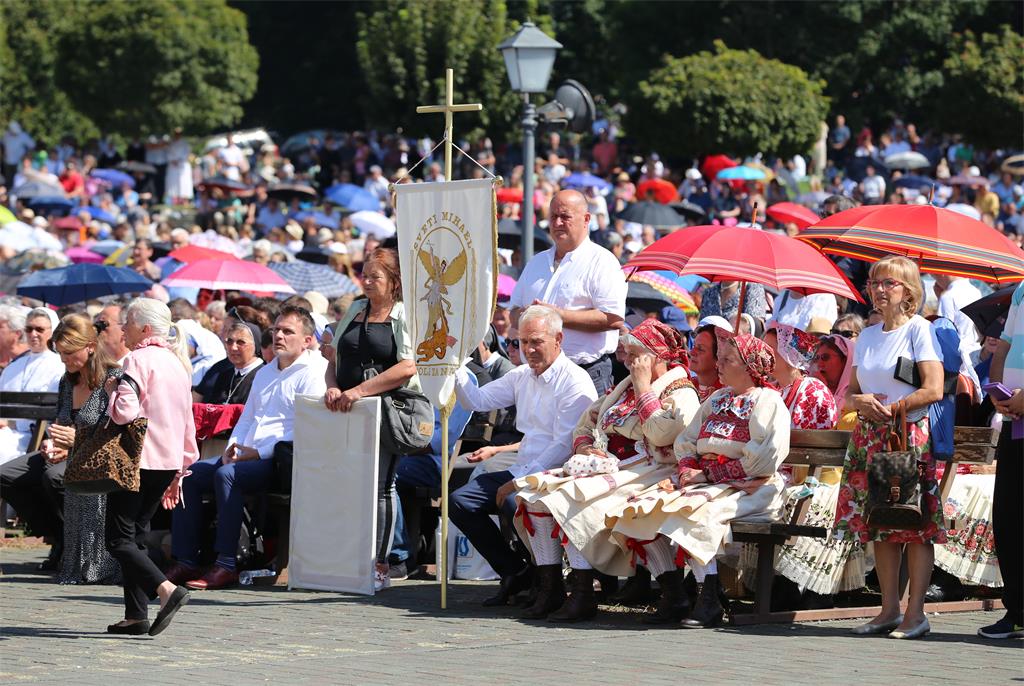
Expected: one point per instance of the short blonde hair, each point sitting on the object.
(906, 272)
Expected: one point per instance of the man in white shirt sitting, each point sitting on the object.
(261, 438)
(38, 369)
(954, 294)
(582, 282)
(550, 393)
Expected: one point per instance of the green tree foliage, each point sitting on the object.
(124, 67)
(731, 101)
(404, 47)
(985, 88)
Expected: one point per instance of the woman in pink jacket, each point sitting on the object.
(157, 384)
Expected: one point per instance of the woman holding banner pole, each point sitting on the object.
(373, 356)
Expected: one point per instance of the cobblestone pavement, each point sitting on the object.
(51, 634)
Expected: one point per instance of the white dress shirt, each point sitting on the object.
(588, 278)
(548, 406)
(961, 293)
(269, 414)
(798, 310)
(31, 372)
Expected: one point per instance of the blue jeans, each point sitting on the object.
(412, 471)
(230, 484)
(471, 508)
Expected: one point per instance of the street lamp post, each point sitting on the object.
(529, 56)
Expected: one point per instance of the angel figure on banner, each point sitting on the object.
(440, 275)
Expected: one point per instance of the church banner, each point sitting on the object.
(446, 240)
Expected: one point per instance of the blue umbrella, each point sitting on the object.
(320, 218)
(306, 276)
(112, 176)
(96, 213)
(913, 181)
(50, 204)
(81, 282)
(352, 197)
(740, 173)
(581, 180)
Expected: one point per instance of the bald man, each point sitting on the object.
(581, 281)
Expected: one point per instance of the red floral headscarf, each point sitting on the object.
(663, 341)
(755, 354)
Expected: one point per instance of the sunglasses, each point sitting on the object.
(36, 329)
(100, 325)
(844, 333)
(514, 344)
(233, 312)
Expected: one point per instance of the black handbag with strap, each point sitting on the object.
(894, 481)
(407, 417)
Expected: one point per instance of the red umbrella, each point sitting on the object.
(791, 213)
(69, 223)
(714, 164)
(228, 275)
(194, 253)
(659, 190)
(509, 195)
(729, 253)
(939, 240)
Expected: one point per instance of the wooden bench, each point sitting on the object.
(816, 450)
(41, 407)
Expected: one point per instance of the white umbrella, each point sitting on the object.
(907, 160)
(373, 223)
(965, 209)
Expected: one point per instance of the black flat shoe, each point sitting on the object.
(134, 629)
(510, 586)
(178, 599)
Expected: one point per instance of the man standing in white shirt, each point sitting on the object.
(550, 394)
(261, 439)
(582, 282)
(232, 161)
(956, 293)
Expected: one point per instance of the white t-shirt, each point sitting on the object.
(961, 293)
(798, 310)
(874, 187)
(587, 278)
(875, 355)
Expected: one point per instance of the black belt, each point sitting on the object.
(588, 365)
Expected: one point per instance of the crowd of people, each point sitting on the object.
(628, 441)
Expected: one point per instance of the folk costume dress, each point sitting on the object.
(738, 441)
(637, 431)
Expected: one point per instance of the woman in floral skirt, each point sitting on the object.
(894, 285)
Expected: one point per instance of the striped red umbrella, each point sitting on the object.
(939, 240)
(730, 253)
(791, 213)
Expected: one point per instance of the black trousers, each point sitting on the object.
(1008, 520)
(35, 489)
(128, 516)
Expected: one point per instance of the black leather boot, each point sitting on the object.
(708, 611)
(637, 589)
(509, 586)
(581, 603)
(673, 605)
(550, 592)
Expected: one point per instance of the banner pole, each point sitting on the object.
(442, 570)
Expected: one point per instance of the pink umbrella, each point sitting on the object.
(228, 275)
(505, 285)
(79, 254)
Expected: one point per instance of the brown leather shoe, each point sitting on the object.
(179, 574)
(215, 577)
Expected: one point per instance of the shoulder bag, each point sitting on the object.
(407, 417)
(105, 457)
(894, 481)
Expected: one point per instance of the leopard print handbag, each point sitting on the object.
(106, 457)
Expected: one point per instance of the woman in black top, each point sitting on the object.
(373, 357)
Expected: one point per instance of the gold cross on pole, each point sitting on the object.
(448, 108)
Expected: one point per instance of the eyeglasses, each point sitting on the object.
(823, 357)
(845, 333)
(886, 284)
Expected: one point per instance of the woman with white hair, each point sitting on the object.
(157, 385)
